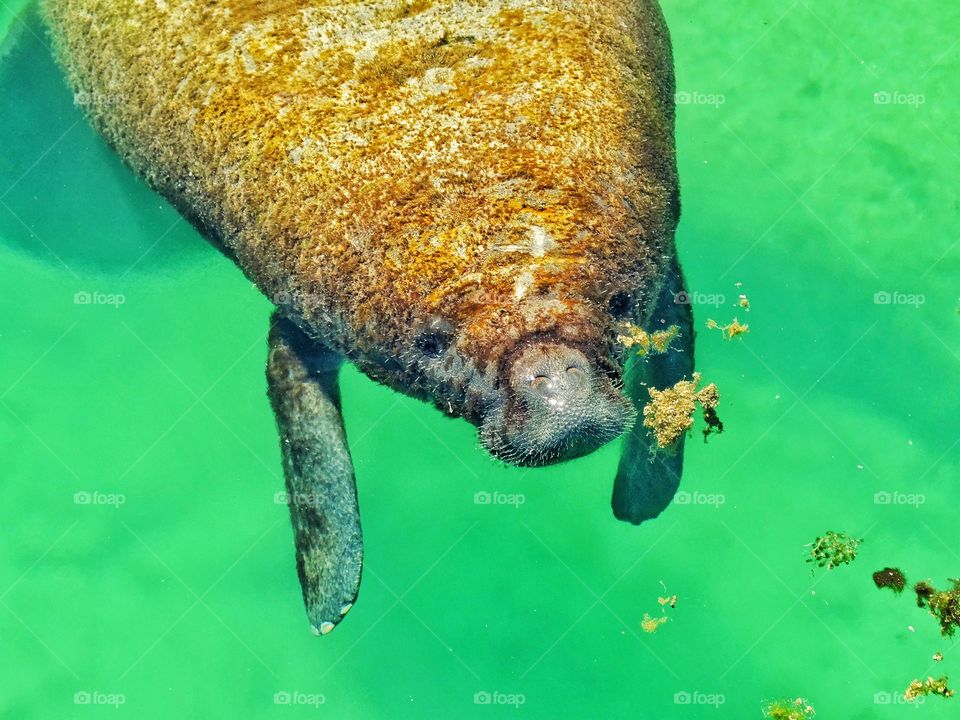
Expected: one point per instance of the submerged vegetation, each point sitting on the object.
(797, 709)
(891, 578)
(833, 549)
(657, 342)
(669, 414)
(930, 686)
(651, 624)
(733, 329)
(943, 605)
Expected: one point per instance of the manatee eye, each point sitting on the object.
(435, 338)
(621, 305)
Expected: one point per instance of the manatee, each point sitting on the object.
(465, 199)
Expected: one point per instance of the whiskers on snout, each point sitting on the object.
(557, 408)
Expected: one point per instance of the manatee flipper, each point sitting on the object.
(648, 479)
(321, 493)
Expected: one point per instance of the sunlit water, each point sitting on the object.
(173, 591)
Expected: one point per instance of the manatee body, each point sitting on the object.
(466, 199)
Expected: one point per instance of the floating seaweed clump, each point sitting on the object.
(930, 686)
(652, 624)
(833, 549)
(731, 330)
(798, 709)
(891, 578)
(943, 605)
(657, 342)
(669, 414)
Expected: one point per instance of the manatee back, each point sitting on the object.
(379, 160)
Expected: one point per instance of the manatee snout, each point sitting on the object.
(557, 406)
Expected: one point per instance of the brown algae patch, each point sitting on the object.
(731, 330)
(796, 709)
(656, 342)
(944, 605)
(669, 414)
(651, 624)
(930, 686)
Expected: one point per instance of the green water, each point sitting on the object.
(174, 589)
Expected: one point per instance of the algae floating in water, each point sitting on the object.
(943, 605)
(891, 578)
(657, 342)
(652, 624)
(930, 686)
(731, 330)
(797, 709)
(833, 549)
(669, 414)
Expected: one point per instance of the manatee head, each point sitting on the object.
(541, 377)
(556, 404)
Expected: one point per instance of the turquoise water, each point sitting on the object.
(172, 592)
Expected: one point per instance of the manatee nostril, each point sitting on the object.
(551, 376)
(541, 384)
(576, 377)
